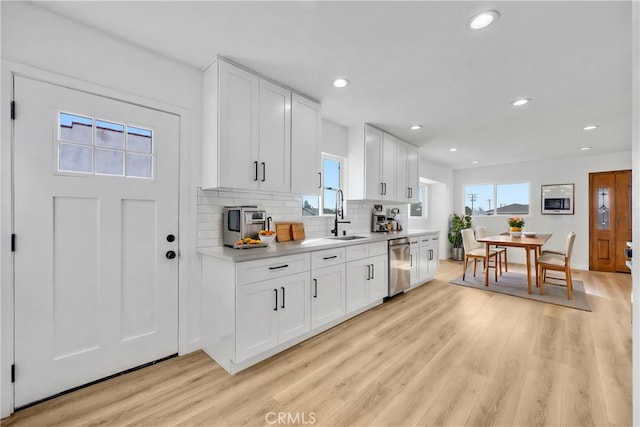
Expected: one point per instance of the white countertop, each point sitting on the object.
(302, 246)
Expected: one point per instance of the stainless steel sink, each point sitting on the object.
(348, 237)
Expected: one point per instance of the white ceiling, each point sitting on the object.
(415, 62)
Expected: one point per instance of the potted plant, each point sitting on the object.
(456, 224)
(515, 226)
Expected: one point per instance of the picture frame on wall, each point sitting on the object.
(557, 199)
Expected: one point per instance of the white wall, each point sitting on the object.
(562, 171)
(38, 43)
(333, 139)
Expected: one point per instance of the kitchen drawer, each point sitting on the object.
(366, 250)
(327, 258)
(271, 268)
(427, 239)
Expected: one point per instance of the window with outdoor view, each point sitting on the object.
(497, 199)
(332, 179)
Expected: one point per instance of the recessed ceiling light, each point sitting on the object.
(475, 162)
(521, 102)
(590, 127)
(483, 20)
(416, 127)
(585, 148)
(453, 149)
(340, 82)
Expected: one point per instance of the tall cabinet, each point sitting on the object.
(248, 126)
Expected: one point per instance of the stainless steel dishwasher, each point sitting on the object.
(399, 266)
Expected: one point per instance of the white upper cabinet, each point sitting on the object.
(305, 142)
(407, 178)
(274, 153)
(381, 167)
(248, 123)
(372, 163)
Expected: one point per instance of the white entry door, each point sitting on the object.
(96, 221)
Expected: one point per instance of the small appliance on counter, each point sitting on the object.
(378, 219)
(393, 219)
(240, 222)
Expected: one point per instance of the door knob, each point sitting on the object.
(171, 238)
(170, 254)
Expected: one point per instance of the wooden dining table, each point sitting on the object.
(529, 244)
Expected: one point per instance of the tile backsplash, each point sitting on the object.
(281, 208)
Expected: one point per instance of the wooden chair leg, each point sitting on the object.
(569, 283)
(540, 276)
(475, 266)
(466, 263)
(495, 266)
(506, 263)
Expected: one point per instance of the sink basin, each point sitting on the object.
(352, 237)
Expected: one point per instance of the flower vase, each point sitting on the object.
(515, 231)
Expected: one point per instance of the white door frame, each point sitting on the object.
(187, 200)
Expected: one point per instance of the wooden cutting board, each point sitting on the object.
(283, 232)
(297, 231)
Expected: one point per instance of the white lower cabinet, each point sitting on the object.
(414, 261)
(328, 295)
(367, 274)
(271, 312)
(425, 254)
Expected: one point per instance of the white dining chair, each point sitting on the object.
(557, 262)
(474, 249)
(481, 231)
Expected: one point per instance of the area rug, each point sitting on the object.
(516, 284)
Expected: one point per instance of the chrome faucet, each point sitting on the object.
(340, 211)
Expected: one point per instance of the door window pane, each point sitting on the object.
(109, 162)
(109, 147)
(139, 166)
(76, 129)
(138, 140)
(75, 158)
(109, 135)
(603, 208)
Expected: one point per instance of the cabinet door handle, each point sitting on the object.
(430, 254)
(368, 271)
(410, 192)
(264, 171)
(276, 307)
(256, 166)
(373, 271)
(382, 188)
(385, 188)
(315, 288)
(280, 266)
(410, 260)
(282, 306)
(319, 179)
(330, 257)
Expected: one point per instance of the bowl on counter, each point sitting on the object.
(268, 239)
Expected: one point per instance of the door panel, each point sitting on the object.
(94, 293)
(609, 220)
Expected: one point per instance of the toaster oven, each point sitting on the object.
(242, 221)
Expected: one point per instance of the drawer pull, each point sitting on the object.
(276, 307)
(330, 257)
(279, 266)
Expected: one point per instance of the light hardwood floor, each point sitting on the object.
(438, 355)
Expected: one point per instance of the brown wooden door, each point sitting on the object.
(609, 220)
